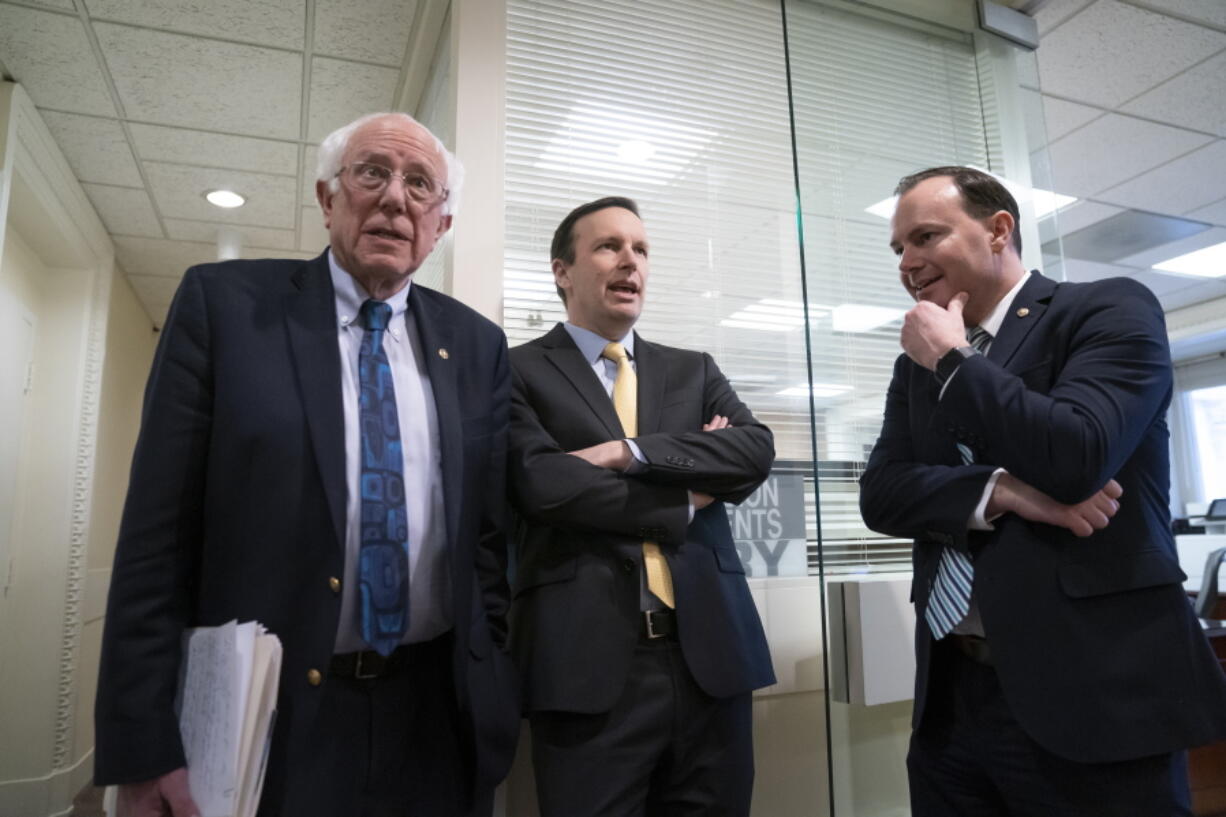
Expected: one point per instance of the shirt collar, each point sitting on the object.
(992, 323)
(350, 295)
(592, 345)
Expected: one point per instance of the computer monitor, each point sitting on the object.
(1217, 511)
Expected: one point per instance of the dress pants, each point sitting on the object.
(387, 747)
(970, 758)
(665, 749)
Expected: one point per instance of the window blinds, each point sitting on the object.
(683, 106)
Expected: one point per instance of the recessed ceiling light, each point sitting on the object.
(225, 198)
(1207, 263)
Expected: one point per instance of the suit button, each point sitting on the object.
(335, 584)
(314, 678)
(628, 565)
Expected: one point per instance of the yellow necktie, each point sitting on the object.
(625, 403)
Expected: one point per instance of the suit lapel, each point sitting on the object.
(434, 334)
(653, 380)
(1024, 314)
(310, 316)
(561, 351)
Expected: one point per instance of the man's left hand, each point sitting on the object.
(929, 331)
(614, 455)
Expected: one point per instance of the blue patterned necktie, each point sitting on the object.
(383, 558)
(950, 599)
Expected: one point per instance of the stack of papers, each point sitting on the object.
(227, 704)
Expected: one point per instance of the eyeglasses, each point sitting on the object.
(373, 178)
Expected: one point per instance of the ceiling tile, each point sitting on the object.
(1162, 284)
(1187, 183)
(1082, 214)
(1175, 249)
(183, 146)
(343, 91)
(51, 57)
(1055, 12)
(1194, 293)
(279, 23)
(1078, 269)
(96, 149)
(171, 79)
(1211, 12)
(159, 257)
(1072, 218)
(314, 234)
(179, 193)
(252, 237)
(1112, 52)
(1113, 149)
(1063, 117)
(1214, 213)
(1194, 99)
(371, 31)
(124, 210)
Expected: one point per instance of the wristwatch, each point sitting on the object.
(951, 360)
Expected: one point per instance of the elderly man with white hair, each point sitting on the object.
(322, 450)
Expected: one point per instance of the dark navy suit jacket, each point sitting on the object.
(575, 617)
(1097, 650)
(236, 509)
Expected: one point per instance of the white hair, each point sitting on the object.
(332, 150)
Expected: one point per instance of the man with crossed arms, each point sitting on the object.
(632, 625)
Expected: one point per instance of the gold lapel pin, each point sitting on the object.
(443, 353)
(1023, 312)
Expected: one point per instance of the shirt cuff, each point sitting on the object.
(977, 520)
(638, 463)
(690, 496)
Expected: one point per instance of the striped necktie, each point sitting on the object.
(625, 403)
(950, 599)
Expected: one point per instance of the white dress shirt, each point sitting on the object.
(972, 624)
(429, 571)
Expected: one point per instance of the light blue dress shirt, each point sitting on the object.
(429, 570)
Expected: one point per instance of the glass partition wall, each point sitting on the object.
(762, 141)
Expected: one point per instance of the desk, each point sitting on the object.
(1207, 764)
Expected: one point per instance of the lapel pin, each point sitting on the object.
(1023, 312)
(443, 353)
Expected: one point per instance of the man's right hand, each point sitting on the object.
(1011, 495)
(165, 796)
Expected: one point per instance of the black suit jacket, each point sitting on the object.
(1097, 651)
(236, 508)
(576, 618)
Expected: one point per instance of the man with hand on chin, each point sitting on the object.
(1060, 670)
(633, 629)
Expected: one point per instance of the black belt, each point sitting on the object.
(368, 664)
(973, 647)
(659, 624)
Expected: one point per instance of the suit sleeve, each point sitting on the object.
(553, 487)
(729, 464)
(1115, 383)
(149, 603)
(492, 549)
(902, 496)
